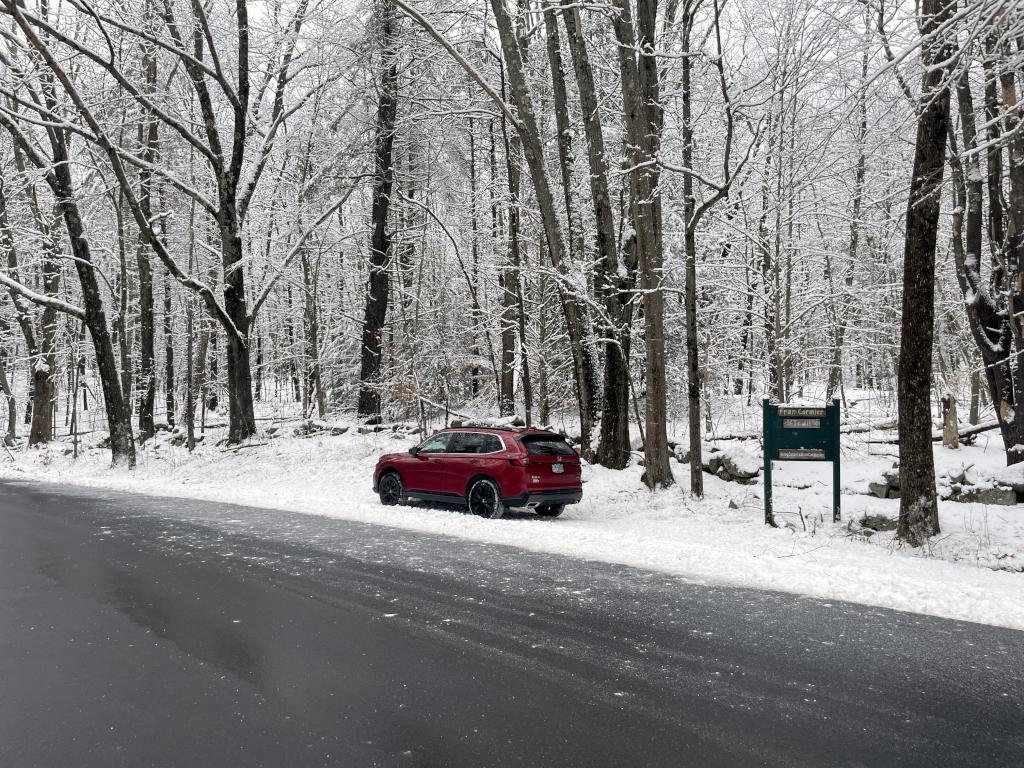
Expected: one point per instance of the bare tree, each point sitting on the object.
(919, 512)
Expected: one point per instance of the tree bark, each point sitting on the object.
(999, 341)
(919, 514)
(148, 140)
(694, 377)
(611, 285)
(11, 431)
(122, 444)
(168, 330)
(533, 153)
(508, 277)
(841, 303)
(380, 241)
(39, 343)
(644, 120)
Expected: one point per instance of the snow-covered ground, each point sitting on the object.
(973, 571)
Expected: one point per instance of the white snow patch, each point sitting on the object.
(620, 521)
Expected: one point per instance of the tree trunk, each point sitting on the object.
(11, 431)
(168, 329)
(693, 371)
(148, 139)
(508, 279)
(919, 514)
(122, 445)
(613, 288)
(996, 337)
(533, 153)
(574, 228)
(312, 323)
(241, 411)
(380, 240)
(841, 306)
(474, 372)
(40, 346)
(644, 121)
(950, 424)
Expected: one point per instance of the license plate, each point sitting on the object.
(557, 468)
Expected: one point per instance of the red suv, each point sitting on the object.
(488, 470)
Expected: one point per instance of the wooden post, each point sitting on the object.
(950, 427)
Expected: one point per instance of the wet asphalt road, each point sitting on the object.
(140, 631)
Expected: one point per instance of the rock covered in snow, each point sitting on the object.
(879, 489)
(995, 495)
(735, 464)
(967, 484)
(1012, 476)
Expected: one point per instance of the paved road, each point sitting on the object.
(141, 631)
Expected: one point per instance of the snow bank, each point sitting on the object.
(718, 539)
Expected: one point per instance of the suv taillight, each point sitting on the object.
(520, 461)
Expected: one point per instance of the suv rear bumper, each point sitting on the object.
(536, 498)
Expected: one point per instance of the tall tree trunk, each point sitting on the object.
(533, 153)
(148, 139)
(614, 288)
(123, 332)
(312, 324)
(841, 306)
(39, 345)
(168, 330)
(919, 513)
(693, 370)
(241, 411)
(644, 121)
(122, 445)
(475, 352)
(508, 278)
(11, 431)
(380, 240)
(574, 227)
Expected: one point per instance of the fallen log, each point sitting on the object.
(967, 436)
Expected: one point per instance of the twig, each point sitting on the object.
(240, 447)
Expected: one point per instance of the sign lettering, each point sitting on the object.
(801, 423)
(801, 454)
(817, 413)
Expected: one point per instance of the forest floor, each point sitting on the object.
(973, 570)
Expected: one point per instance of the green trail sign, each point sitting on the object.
(800, 433)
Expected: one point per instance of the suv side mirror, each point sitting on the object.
(414, 451)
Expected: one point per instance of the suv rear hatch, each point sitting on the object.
(551, 461)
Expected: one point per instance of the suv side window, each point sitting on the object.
(475, 442)
(437, 444)
(492, 444)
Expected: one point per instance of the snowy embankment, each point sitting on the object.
(973, 571)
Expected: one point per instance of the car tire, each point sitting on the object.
(550, 510)
(484, 499)
(391, 489)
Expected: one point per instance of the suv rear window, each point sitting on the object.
(547, 445)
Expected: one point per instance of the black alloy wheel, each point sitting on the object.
(391, 490)
(484, 499)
